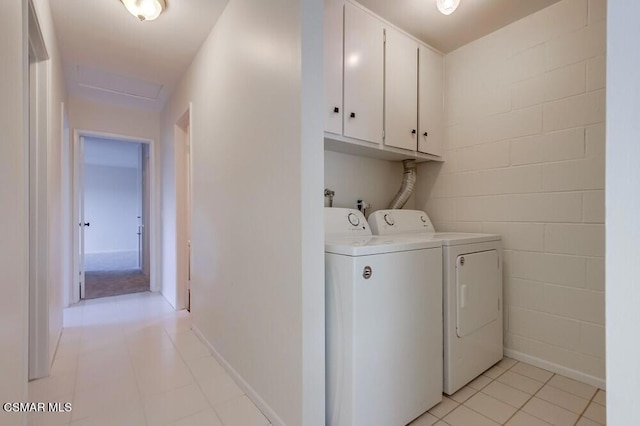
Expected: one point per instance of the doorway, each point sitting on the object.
(40, 353)
(183, 146)
(113, 208)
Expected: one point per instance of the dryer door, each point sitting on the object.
(477, 290)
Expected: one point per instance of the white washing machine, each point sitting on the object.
(383, 324)
(472, 293)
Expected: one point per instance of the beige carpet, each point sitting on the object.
(113, 283)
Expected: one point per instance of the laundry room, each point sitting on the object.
(352, 212)
(520, 154)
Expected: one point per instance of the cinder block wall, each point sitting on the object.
(525, 139)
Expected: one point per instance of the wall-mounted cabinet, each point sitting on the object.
(401, 91)
(430, 101)
(333, 42)
(383, 88)
(363, 75)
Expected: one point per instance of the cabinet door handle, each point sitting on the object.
(413, 132)
(336, 110)
(425, 134)
(352, 115)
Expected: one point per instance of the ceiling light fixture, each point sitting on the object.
(447, 7)
(144, 10)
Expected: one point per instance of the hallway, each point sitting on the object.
(132, 360)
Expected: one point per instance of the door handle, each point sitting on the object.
(463, 296)
(85, 224)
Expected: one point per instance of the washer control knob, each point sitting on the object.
(389, 219)
(367, 272)
(353, 219)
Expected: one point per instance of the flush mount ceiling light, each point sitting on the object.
(446, 7)
(144, 10)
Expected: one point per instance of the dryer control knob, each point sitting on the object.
(353, 219)
(389, 219)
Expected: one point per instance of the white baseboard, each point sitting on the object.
(248, 390)
(555, 368)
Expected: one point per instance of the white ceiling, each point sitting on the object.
(473, 18)
(110, 56)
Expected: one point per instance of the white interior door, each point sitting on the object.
(188, 218)
(140, 216)
(146, 211)
(79, 181)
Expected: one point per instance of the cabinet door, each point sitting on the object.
(401, 91)
(363, 75)
(430, 102)
(333, 44)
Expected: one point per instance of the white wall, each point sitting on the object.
(524, 157)
(56, 98)
(111, 203)
(112, 119)
(623, 203)
(13, 199)
(14, 196)
(251, 108)
(356, 178)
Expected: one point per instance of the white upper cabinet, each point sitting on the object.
(383, 88)
(430, 106)
(363, 75)
(333, 39)
(401, 91)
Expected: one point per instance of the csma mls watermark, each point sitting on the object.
(37, 407)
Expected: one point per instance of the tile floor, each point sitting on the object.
(132, 360)
(517, 394)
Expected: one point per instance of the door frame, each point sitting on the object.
(153, 221)
(183, 167)
(38, 108)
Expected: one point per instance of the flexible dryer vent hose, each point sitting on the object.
(408, 181)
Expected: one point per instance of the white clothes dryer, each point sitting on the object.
(472, 293)
(383, 324)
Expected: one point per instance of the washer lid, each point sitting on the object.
(363, 246)
(458, 238)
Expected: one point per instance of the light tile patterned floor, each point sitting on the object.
(518, 394)
(132, 360)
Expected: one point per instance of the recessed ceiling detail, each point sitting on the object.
(105, 81)
(116, 59)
